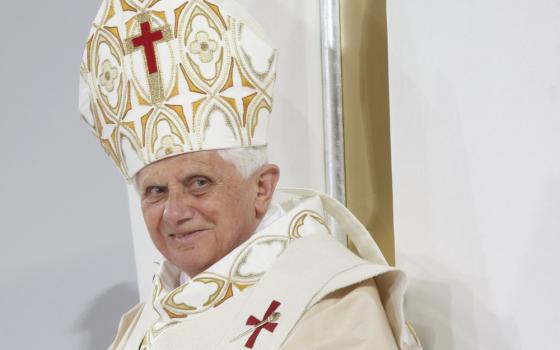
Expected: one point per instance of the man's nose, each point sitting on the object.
(178, 208)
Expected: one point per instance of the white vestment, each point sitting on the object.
(290, 286)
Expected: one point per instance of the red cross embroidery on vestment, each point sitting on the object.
(147, 40)
(269, 326)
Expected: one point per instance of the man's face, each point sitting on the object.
(197, 208)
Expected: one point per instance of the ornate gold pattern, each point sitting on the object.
(229, 294)
(116, 33)
(111, 12)
(299, 221)
(127, 7)
(216, 10)
(154, 2)
(219, 100)
(178, 12)
(181, 113)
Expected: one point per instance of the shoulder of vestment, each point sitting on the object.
(126, 323)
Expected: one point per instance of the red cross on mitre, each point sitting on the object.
(147, 41)
(267, 322)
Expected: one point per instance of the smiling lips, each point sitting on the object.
(185, 237)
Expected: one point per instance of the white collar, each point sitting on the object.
(273, 213)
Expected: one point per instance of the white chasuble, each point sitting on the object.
(254, 296)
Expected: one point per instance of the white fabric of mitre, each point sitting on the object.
(207, 84)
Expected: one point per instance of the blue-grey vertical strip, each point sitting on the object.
(332, 100)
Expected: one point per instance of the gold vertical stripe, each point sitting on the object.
(178, 12)
(365, 88)
(156, 87)
(111, 12)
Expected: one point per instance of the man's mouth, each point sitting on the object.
(186, 236)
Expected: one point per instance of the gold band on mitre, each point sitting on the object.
(165, 77)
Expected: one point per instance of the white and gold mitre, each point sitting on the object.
(166, 77)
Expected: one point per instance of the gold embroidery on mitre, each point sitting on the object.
(168, 147)
(191, 84)
(110, 12)
(246, 103)
(196, 73)
(156, 87)
(128, 101)
(216, 10)
(153, 3)
(106, 54)
(167, 134)
(144, 120)
(178, 11)
(175, 90)
(117, 34)
(127, 7)
(203, 46)
(181, 113)
(88, 51)
(254, 119)
(109, 74)
(147, 41)
(204, 67)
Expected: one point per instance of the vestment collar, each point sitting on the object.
(242, 268)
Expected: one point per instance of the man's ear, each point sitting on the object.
(266, 179)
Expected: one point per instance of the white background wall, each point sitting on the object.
(66, 257)
(475, 111)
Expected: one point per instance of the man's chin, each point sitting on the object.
(193, 267)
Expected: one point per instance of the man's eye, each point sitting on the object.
(200, 183)
(154, 191)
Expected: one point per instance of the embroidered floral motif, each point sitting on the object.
(168, 146)
(108, 75)
(204, 47)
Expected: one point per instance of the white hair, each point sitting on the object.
(247, 160)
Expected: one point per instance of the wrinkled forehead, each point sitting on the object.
(208, 163)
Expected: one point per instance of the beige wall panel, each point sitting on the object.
(366, 118)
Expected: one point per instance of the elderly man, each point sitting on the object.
(179, 94)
